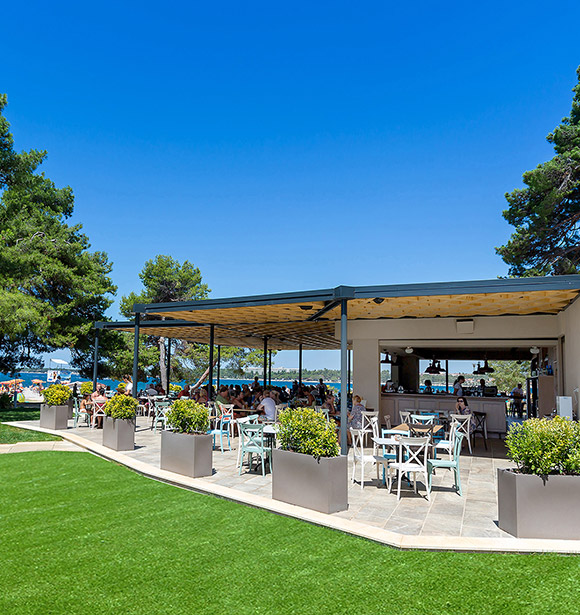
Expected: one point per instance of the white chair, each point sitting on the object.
(463, 425)
(227, 409)
(412, 459)
(367, 417)
(447, 445)
(405, 415)
(358, 452)
(98, 410)
(389, 454)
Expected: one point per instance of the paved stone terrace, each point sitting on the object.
(447, 514)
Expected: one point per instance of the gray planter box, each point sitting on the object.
(302, 480)
(187, 454)
(53, 417)
(119, 434)
(531, 506)
(71, 407)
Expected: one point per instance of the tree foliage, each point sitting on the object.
(509, 373)
(52, 287)
(546, 213)
(164, 280)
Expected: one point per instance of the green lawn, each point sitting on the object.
(82, 535)
(10, 435)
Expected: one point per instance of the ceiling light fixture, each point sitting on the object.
(409, 350)
(535, 350)
(378, 300)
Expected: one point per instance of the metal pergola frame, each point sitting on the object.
(331, 298)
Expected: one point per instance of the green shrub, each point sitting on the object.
(304, 430)
(5, 401)
(187, 416)
(86, 388)
(56, 395)
(545, 446)
(175, 388)
(121, 407)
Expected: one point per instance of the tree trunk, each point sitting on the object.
(163, 365)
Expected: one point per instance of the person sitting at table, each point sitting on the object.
(223, 395)
(184, 392)
(239, 401)
(202, 396)
(267, 406)
(86, 405)
(428, 390)
(310, 396)
(354, 417)
(329, 403)
(462, 407)
(150, 390)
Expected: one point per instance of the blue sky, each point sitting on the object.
(291, 147)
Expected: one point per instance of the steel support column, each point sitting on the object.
(348, 368)
(168, 366)
(210, 377)
(300, 364)
(265, 361)
(269, 368)
(343, 375)
(136, 354)
(446, 376)
(96, 360)
(219, 365)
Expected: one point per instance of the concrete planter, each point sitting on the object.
(53, 417)
(531, 506)
(318, 484)
(71, 407)
(119, 434)
(187, 454)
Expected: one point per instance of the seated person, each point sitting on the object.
(329, 405)
(355, 416)
(267, 406)
(184, 392)
(150, 390)
(223, 396)
(428, 387)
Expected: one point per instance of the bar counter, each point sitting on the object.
(494, 407)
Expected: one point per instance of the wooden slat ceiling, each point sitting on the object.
(281, 336)
(287, 325)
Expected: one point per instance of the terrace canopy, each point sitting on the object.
(319, 319)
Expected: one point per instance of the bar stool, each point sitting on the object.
(480, 426)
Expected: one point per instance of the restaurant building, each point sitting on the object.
(521, 319)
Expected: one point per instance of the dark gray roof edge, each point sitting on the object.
(506, 285)
(564, 282)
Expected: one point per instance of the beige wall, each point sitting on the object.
(366, 376)
(485, 328)
(570, 329)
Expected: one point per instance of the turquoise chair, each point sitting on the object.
(80, 414)
(252, 443)
(452, 464)
(161, 407)
(223, 429)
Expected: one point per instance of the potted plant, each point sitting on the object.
(119, 423)
(54, 412)
(86, 388)
(188, 448)
(307, 469)
(541, 497)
